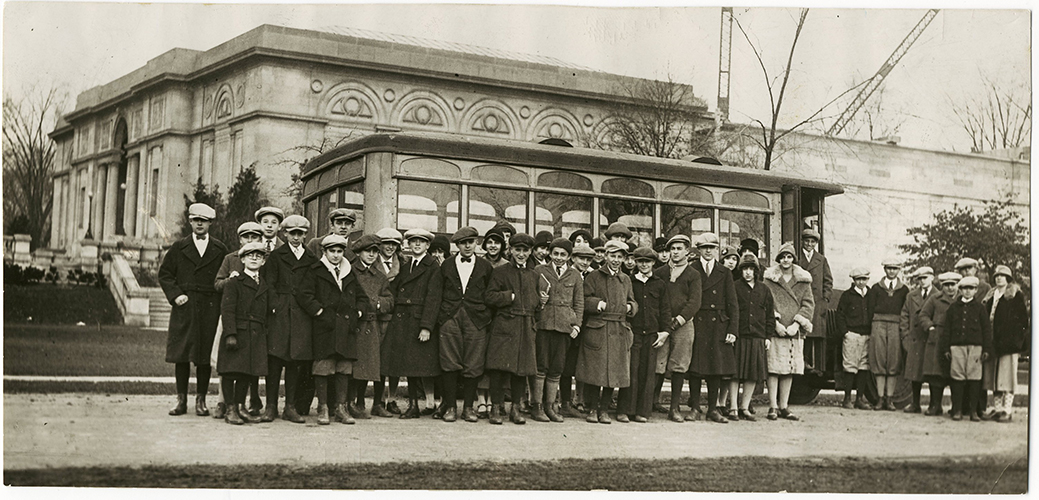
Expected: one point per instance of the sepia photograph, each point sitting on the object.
(481, 248)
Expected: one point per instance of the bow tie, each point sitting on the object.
(201, 238)
(467, 259)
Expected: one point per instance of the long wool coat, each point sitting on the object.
(932, 314)
(243, 310)
(376, 313)
(914, 338)
(192, 325)
(565, 307)
(289, 333)
(511, 344)
(604, 358)
(1010, 331)
(718, 316)
(822, 289)
(416, 296)
(335, 330)
(794, 303)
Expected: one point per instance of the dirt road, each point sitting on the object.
(78, 430)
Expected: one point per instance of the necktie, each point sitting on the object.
(336, 269)
(710, 267)
(270, 246)
(467, 259)
(257, 278)
(388, 265)
(413, 263)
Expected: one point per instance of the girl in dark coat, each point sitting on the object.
(331, 294)
(757, 322)
(243, 347)
(1010, 338)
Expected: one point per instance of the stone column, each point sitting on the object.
(133, 165)
(56, 211)
(97, 202)
(111, 195)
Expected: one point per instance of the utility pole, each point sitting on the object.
(724, 63)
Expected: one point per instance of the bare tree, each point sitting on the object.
(298, 156)
(29, 161)
(998, 119)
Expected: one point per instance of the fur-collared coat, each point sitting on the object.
(244, 309)
(290, 331)
(192, 325)
(1011, 333)
(793, 299)
(914, 338)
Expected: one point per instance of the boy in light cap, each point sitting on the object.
(966, 343)
(650, 326)
(558, 323)
(340, 222)
(854, 324)
(913, 337)
(932, 321)
(884, 306)
(269, 219)
(376, 313)
(243, 349)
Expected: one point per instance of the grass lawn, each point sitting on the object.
(84, 350)
(59, 305)
(845, 475)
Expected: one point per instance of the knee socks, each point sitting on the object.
(713, 384)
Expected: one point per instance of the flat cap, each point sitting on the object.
(582, 233)
(583, 250)
(418, 233)
(1004, 271)
(440, 243)
(201, 211)
(388, 234)
(250, 227)
(617, 228)
(333, 240)
(275, 211)
(965, 262)
(616, 246)
(465, 233)
(810, 233)
(342, 213)
(660, 244)
(859, 272)
(968, 281)
(365, 242)
(748, 260)
(645, 253)
(680, 238)
(785, 248)
(891, 262)
(949, 277)
(295, 222)
(249, 248)
(707, 240)
(561, 243)
(923, 271)
(543, 238)
(521, 240)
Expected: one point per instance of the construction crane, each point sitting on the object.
(873, 83)
(724, 64)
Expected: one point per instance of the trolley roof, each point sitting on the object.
(522, 153)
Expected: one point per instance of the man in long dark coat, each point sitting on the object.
(716, 323)
(186, 275)
(914, 338)
(822, 289)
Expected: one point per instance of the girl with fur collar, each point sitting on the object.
(791, 288)
(1010, 337)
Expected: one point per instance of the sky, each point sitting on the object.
(80, 45)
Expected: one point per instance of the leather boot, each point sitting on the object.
(848, 404)
(182, 405)
(269, 414)
(515, 416)
(291, 414)
(550, 412)
(246, 416)
(322, 415)
(880, 404)
(568, 410)
(592, 417)
(412, 411)
(379, 410)
(232, 416)
(343, 415)
(220, 411)
(497, 412)
(551, 391)
(537, 412)
(200, 406)
(888, 405)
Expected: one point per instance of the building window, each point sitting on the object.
(487, 206)
(690, 221)
(564, 213)
(432, 206)
(734, 227)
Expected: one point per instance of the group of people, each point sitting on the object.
(529, 315)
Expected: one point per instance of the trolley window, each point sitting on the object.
(690, 221)
(738, 226)
(685, 192)
(564, 213)
(433, 206)
(565, 180)
(500, 174)
(487, 206)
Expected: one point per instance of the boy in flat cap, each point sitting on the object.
(966, 343)
(600, 253)
(854, 322)
(289, 336)
(967, 267)
(269, 219)
(463, 319)
(511, 346)
(331, 294)
(187, 276)
(341, 222)
(822, 290)
(248, 232)
(243, 348)
(412, 343)
(604, 360)
(684, 293)
(389, 252)
(558, 323)
(571, 400)
(913, 337)
(884, 307)
(716, 326)
(650, 326)
(376, 313)
(932, 321)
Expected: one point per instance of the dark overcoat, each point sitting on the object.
(511, 345)
(314, 245)
(244, 309)
(757, 310)
(718, 316)
(1010, 331)
(473, 300)
(335, 330)
(192, 325)
(289, 333)
(376, 313)
(604, 358)
(232, 263)
(416, 296)
(932, 314)
(914, 338)
(822, 289)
